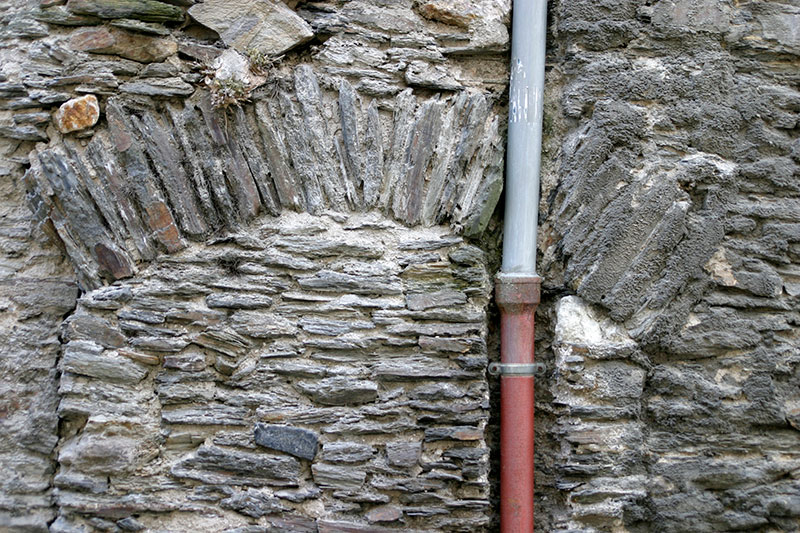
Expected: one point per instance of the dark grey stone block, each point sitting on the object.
(294, 441)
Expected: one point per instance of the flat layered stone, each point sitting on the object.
(223, 341)
(147, 10)
(139, 26)
(404, 454)
(347, 452)
(254, 503)
(208, 414)
(384, 513)
(217, 466)
(89, 327)
(158, 87)
(340, 390)
(338, 477)
(321, 247)
(25, 132)
(294, 441)
(268, 26)
(262, 325)
(135, 46)
(453, 433)
(335, 526)
(238, 301)
(192, 362)
(62, 16)
(89, 359)
(427, 300)
(330, 281)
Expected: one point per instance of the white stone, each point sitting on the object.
(580, 323)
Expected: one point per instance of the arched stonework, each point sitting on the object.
(162, 174)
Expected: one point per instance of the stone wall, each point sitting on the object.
(671, 209)
(246, 252)
(354, 347)
(241, 286)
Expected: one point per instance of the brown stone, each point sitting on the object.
(138, 47)
(454, 13)
(111, 262)
(385, 513)
(77, 114)
(162, 223)
(140, 357)
(92, 40)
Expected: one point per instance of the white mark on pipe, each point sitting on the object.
(523, 96)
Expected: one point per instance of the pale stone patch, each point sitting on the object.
(269, 27)
(77, 114)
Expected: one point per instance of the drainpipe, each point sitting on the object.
(517, 289)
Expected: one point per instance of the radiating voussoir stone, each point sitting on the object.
(77, 114)
(294, 441)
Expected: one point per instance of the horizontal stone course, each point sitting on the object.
(316, 377)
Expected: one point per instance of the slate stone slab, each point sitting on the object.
(405, 454)
(338, 477)
(347, 452)
(89, 359)
(147, 10)
(294, 441)
(217, 466)
(340, 390)
(268, 26)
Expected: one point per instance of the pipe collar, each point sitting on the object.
(513, 290)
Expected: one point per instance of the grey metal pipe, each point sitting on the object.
(517, 291)
(523, 155)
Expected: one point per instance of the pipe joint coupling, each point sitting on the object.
(516, 292)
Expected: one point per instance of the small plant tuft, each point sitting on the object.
(228, 91)
(261, 63)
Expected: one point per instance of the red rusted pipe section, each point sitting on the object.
(517, 297)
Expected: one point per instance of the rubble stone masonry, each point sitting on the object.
(247, 250)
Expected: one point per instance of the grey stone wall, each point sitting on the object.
(245, 266)
(670, 255)
(312, 369)
(241, 288)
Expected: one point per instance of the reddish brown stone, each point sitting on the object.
(111, 262)
(92, 40)
(468, 434)
(145, 359)
(162, 223)
(385, 513)
(456, 13)
(77, 114)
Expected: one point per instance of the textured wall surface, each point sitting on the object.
(671, 206)
(245, 267)
(240, 285)
(356, 349)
